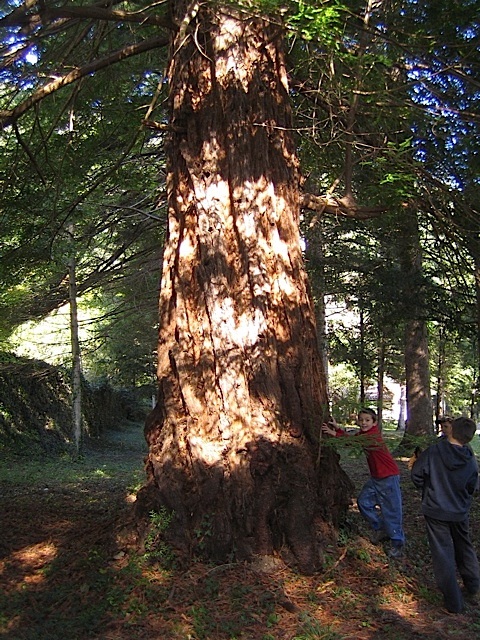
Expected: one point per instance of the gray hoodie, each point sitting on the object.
(448, 476)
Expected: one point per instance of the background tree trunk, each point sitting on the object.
(476, 391)
(234, 447)
(77, 430)
(381, 380)
(440, 390)
(362, 375)
(315, 253)
(417, 364)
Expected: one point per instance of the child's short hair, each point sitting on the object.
(370, 412)
(463, 429)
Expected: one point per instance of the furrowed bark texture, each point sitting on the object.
(233, 440)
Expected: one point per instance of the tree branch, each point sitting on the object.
(98, 13)
(21, 17)
(338, 207)
(8, 117)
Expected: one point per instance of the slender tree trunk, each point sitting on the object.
(234, 447)
(419, 405)
(381, 380)
(315, 254)
(401, 413)
(76, 358)
(439, 403)
(322, 339)
(362, 358)
(417, 368)
(476, 392)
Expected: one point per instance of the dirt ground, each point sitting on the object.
(68, 572)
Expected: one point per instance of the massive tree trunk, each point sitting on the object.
(234, 448)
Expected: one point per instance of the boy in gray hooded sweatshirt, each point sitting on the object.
(447, 473)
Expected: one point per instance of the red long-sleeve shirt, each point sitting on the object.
(379, 459)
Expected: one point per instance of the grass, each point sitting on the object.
(121, 463)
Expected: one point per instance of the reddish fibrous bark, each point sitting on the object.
(234, 442)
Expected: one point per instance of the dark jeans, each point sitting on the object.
(452, 549)
(380, 503)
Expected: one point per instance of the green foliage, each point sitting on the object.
(396, 95)
(156, 549)
(204, 532)
(304, 16)
(122, 348)
(35, 407)
(93, 167)
(363, 555)
(202, 621)
(311, 21)
(344, 393)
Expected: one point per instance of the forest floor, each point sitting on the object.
(67, 572)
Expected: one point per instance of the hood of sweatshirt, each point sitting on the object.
(453, 456)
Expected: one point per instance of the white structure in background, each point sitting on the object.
(395, 401)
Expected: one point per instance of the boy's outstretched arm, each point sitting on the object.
(331, 427)
(414, 458)
(419, 470)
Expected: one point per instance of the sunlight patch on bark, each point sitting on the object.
(284, 285)
(229, 61)
(187, 248)
(247, 222)
(280, 248)
(207, 451)
(213, 203)
(232, 331)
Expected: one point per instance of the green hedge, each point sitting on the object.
(35, 406)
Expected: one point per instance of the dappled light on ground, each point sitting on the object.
(26, 566)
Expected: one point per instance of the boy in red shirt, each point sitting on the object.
(380, 500)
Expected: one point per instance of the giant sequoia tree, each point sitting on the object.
(234, 448)
(234, 439)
